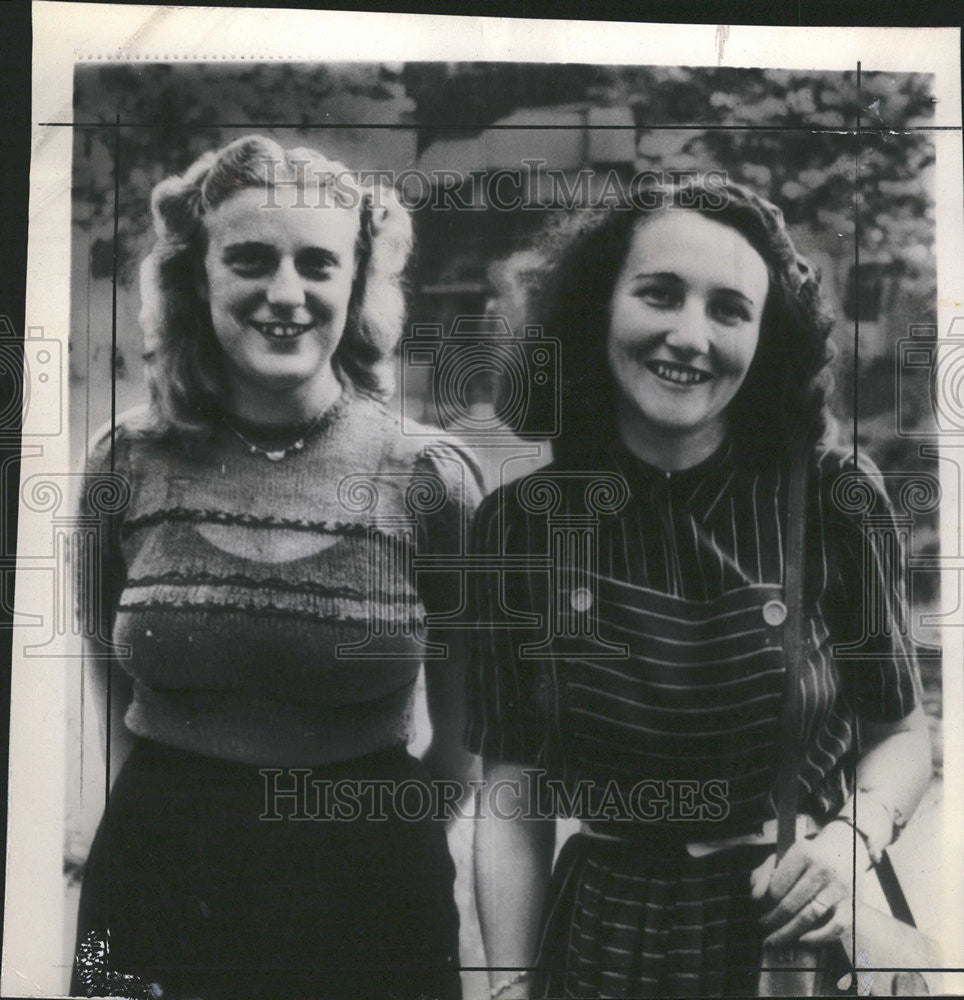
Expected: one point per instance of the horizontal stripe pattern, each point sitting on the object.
(621, 925)
(678, 579)
(256, 583)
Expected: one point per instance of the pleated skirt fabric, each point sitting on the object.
(625, 920)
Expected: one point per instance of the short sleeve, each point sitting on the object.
(445, 500)
(508, 711)
(98, 563)
(873, 646)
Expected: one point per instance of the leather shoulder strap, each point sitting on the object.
(892, 890)
(793, 651)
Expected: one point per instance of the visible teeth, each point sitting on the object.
(281, 331)
(682, 376)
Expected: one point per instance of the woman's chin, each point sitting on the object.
(677, 420)
(282, 374)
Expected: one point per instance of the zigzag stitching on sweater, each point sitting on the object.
(179, 578)
(199, 515)
(266, 611)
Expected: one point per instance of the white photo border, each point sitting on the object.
(69, 34)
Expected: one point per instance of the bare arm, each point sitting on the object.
(445, 756)
(813, 884)
(513, 861)
(892, 776)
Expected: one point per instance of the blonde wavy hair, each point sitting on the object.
(184, 363)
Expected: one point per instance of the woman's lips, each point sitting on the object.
(677, 374)
(281, 331)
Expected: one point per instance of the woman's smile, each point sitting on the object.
(281, 331)
(279, 281)
(684, 323)
(678, 375)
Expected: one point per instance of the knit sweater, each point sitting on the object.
(274, 612)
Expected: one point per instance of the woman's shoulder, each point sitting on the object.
(849, 483)
(529, 498)
(454, 462)
(113, 461)
(406, 445)
(111, 445)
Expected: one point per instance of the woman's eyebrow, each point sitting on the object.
(673, 276)
(319, 253)
(735, 293)
(664, 275)
(247, 246)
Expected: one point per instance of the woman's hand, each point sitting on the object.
(515, 991)
(509, 986)
(811, 889)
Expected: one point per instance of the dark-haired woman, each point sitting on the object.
(633, 671)
(254, 614)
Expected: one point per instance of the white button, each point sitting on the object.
(581, 599)
(774, 612)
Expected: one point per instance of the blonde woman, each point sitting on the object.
(257, 583)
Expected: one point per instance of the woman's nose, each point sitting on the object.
(690, 331)
(286, 287)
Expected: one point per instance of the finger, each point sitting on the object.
(809, 918)
(760, 877)
(838, 926)
(800, 896)
(817, 884)
(791, 867)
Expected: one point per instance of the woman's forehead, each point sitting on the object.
(690, 243)
(307, 214)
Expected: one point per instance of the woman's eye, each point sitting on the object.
(317, 266)
(730, 313)
(249, 263)
(659, 296)
(316, 272)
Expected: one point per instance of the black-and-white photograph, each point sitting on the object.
(503, 542)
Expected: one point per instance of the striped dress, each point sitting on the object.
(632, 654)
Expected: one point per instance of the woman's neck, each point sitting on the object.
(671, 451)
(300, 404)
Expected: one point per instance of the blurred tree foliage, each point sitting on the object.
(788, 134)
(173, 113)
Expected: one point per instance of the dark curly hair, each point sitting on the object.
(785, 393)
(184, 363)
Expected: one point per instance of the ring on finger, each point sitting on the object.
(819, 905)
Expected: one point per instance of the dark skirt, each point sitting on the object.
(626, 920)
(203, 897)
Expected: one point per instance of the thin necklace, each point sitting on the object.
(277, 454)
